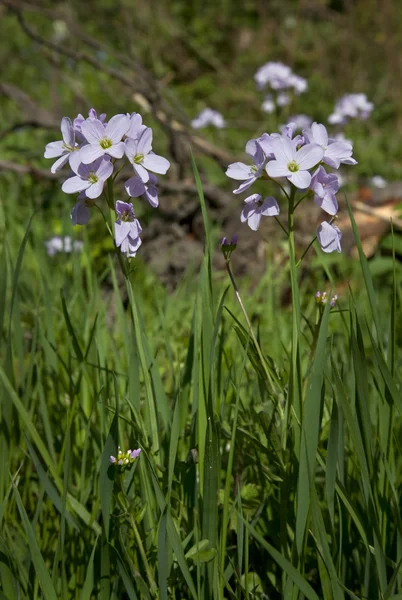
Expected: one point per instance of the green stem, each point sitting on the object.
(294, 399)
(306, 250)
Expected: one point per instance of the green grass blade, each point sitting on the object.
(35, 553)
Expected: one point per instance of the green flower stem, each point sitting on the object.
(306, 250)
(125, 508)
(295, 384)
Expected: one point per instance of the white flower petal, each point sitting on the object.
(90, 153)
(277, 168)
(67, 131)
(300, 179)
(93, 130)
(60, 162)
(308, 156)
(54, 149)
(145, 142)
(75, 184)
(239, 171)
(156, 163)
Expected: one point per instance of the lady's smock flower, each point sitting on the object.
(329, 237)
(127, 229)
(64, 148)
(103, 140)
(139, 153)
(256, 207)
(294, 164)
(89, 178)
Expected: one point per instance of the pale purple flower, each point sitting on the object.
(127, 229)
(135, 453)
(276, 74)
(283, 99)
(248, 173)
(64, 148)
(351, 106)
(268, 105)
(329, 237)
(292, 163)
(112, 459)
(325, 186)
(335, 153)
(103, 140)
(299, 84)
(78, 121)
(256, 207)
(301, 121)
(89, 178)
(58, 244)
(378, 182)
(139, 153)
(208, 117)
(135, 187)
(136, 127)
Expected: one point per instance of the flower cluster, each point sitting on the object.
(58, 244)
(91, 146)
(208, 117)
(124, 459)
(281, 80)
(322, 299)
(350, 106)
(303, 161)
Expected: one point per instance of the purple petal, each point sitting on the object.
(326, 200)
(54, 149)
(135, 126)
(105, 169)
(254, 220)
(319, 134)
(245, 185)
(122, 207)
(130, 149)
(300, 179)
(135, 229)
(329, 237)
(239, 171)
(270, 207)
(67, 131)
(145, 142)
(276, 168)
(143, 173)
(90, 153)
(151, 195)
(309, 156)
(284, 150)
(60, 162)
(75, 184)
(130, 246)
(117, 128)
(75, 160)
(121, 231)
(135, 186)
(253, 199)
(336, 152)
(80, 213)
(95, 190)
(156, 163)
(93, 130)
(117, 150)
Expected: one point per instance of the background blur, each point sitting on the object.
(170, 59)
